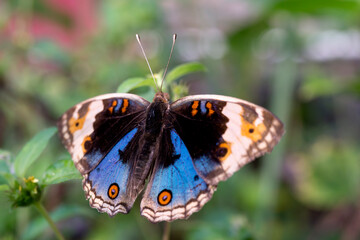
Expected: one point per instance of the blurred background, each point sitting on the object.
(298, 58)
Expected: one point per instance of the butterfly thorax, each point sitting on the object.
(161, 97)
(154, 118)
(156, 115)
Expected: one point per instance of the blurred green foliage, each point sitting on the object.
(308, 188)
(323, 185)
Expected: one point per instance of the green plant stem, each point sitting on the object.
(284, 84)
(22, 220)
(166, 234)
(46, 215)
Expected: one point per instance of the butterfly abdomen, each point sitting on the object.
(147, 144)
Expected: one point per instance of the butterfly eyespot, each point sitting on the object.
(76, 124)
(164, 197)
(223, 151)
(254, 132)
(196, 178)
(113, 191)
(86, 144)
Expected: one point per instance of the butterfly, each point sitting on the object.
(182, 149)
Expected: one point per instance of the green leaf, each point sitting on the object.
(61, 171)
(354, 87)
(183, 70)
(10, 179)
(317, 86)
(148, 94)
(4, 168)
(32, 150)
(4, 187)
(39, 225)
(310, 6)
(133, 83)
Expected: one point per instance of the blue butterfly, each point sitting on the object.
(184, 149)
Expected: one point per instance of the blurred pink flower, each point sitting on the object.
(81, 13)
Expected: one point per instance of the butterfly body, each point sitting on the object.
(184, 149)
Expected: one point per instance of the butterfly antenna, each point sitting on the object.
(167, 65)
(142, 49)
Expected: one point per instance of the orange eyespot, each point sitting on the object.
(125, 105)
(255, 133)
(113, 191)
(223, 151)
(76, 124)
(85, 143)
(164, 197)
(194, 107)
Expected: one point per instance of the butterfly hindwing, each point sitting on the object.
(175, 190)
(105, 186)
(223, 133)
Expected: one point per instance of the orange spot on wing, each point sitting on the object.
(164, 197)
(249, 130)
(209, 107)
(86, 139)
(125, 105)
(76, 124)
(111, 109)
(224, 151)
(194, 107)
(113, 191)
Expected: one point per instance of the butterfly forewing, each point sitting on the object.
(91, 128)
(223, 133)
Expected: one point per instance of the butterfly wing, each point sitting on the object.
(106, 187)
(90, 129)
(222, 133)
(175, 189)
(101, 135)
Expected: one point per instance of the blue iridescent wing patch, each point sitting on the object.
(105, 186)
(175, 191)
